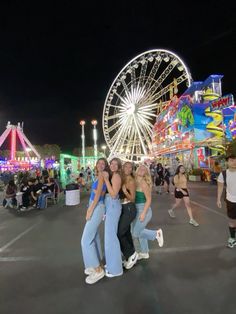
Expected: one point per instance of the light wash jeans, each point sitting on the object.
(90, 241)
(112, 243)
(140, 232)
(42, 199)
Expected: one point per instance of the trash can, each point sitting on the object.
(72, 194)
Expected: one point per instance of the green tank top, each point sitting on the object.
(140, 197)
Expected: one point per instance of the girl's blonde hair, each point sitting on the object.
(147, 177)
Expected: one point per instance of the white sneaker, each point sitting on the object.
(171, 213)
(132, 260)
(89, 271)
(94, 277)
(23, 209)
(109, 275)
(160, 238)
(231, 243)
(193, 222)
(143, 256)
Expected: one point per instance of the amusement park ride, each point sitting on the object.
(154, 109)
(16, 132)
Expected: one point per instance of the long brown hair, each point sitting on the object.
(119, 163)
(106, 165)
(123, 176)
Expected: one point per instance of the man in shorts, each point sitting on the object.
(230, 186)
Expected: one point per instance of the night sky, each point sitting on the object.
(57, 62)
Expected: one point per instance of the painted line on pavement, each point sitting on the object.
(18, 259)
(188, 248)
(7, 245)
(209, 209)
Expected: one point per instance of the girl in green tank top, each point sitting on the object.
(143, 199)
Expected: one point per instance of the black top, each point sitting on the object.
(122, 194)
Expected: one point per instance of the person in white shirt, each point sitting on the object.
(230, 183)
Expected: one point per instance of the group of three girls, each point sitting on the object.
(121, 199)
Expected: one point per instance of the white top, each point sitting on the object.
(230, 185)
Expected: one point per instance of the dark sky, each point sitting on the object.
(57, 61)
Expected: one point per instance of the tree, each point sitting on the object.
(49, 151)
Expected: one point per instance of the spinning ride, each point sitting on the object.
(136, 97)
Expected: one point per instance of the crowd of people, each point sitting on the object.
(29, 189)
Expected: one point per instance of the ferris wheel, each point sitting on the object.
(136, 96)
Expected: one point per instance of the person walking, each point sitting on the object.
(113, 211)
(90, 241)
(144, 213)
(228, 178)
(167, 179)
(128, 214)
(159, 174)
(181, 193)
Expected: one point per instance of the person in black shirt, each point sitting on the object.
(26, 189)
(47, 191)
(167, 179)
(36, 191)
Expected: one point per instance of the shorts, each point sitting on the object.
(231, 209)
(179, 194)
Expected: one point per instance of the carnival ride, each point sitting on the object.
(138, 93)
(197, 123)
(15, 163)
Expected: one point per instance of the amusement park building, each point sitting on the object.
(195, 126)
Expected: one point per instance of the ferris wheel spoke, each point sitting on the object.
(143, 72)
(127, 92)
(140, 136)
(161, 79)
(146, 123)
(118, 107)
(133, 77)
(115, 125)
(123, 100)
(134, 143)
(120, 132)
(152, 74)
(147, 113)
(149, 107)
(124, 133)
(117, 115)
(166, 89)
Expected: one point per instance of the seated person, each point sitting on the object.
(47, 191)
(36, 191)
(10, 195)
(26, 189)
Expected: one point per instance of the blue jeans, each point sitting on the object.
(90, 241)
(112, 244)
(42, 199)
(139, 231)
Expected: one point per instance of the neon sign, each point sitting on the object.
(222, 102)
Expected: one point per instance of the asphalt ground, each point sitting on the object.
(41, 267)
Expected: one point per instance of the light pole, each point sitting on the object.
(82, 123)
(95, 137)
(104, 150)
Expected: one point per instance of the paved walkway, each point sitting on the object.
(41, 269)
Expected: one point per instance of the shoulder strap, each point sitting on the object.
(224, 176)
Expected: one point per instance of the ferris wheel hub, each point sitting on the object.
(130, 109)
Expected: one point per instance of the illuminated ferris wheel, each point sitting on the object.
(135, 98)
